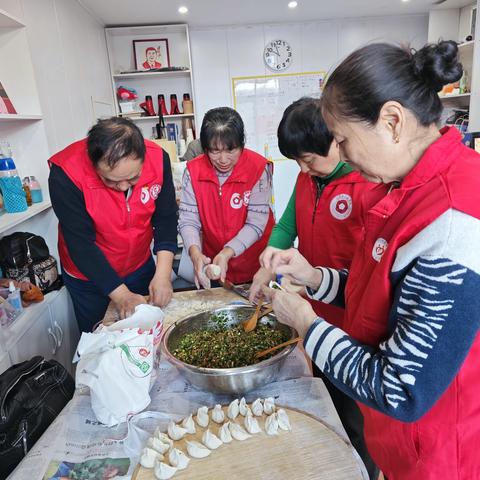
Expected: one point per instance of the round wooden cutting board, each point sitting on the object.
(310, 451)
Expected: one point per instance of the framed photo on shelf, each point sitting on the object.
(6, 105)
(151, 53)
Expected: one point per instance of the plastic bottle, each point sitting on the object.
(28, 193)
(14, 197)
(35, 189)
(14, 298)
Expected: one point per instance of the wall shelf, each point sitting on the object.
(452, 97)
(15, 117)
(174, 73)
(10, 220)
(155, 117)
(9, 21)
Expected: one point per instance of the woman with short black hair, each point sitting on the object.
(113, 193)
(225, 214)
(409, 350)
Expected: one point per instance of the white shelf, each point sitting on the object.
(13, 117)
(155, 117)
(10, 220)
(456, 96)
(173, 73)
(9, 21)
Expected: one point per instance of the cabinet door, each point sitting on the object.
(4, 362)
(38, 339)
(65, 328)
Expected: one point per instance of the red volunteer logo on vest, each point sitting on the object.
(379, 249)
(238, 200)
(155, 190)
(145, 195)
(341, 206)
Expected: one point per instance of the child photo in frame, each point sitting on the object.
(151, 54)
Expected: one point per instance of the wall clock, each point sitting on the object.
(277, 55)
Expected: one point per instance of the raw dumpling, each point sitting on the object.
(242, 407)
(217, 414)
(176, 432)
(271, 424)
(238, 432)
(233, 410)
(178, 459)
(197, 450)
(224, 433)
(202, 416)
(164, 471)
(269, 405)
(188, 424)
(283, 420)
(251, 424)
(210, 440)
(163, 437)
(257, 407)
(149, 455)
(158, 445)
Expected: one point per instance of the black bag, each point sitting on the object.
(32, 394)
(25, 256)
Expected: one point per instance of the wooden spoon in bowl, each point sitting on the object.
(276, 347)
(251, 323)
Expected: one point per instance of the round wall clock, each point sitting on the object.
(277, 55)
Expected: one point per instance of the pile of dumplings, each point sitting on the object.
(160, 447)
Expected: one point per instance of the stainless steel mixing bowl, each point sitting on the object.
(225, 380)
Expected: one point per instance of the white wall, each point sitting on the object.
(71, 67)
(220, 53)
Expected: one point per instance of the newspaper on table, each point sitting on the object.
(76, 445)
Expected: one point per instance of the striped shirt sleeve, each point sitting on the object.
(332, 288)
(433, 321)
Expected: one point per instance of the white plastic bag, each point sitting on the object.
(118, 364)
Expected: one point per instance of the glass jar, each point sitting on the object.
(35, 189)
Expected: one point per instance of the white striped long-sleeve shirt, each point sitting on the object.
(434, 320)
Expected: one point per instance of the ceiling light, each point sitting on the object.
(183, 10)
(292, 4)
(405, 1)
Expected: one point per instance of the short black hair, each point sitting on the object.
(303, 130)
(112, 139)
(377, 73)
(222, 125)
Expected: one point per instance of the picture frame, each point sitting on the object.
(150, 54)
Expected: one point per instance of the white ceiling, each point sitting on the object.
(230, 12)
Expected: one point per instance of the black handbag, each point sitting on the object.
(32, 394)
(25, 256)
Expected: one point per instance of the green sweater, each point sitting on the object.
(285, 231)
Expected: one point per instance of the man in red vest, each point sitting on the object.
(325, 212)
(225, 214)
(113, 194)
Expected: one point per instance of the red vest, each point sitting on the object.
(442, 444)
(223, 210)
(123, 229)
(329, 232)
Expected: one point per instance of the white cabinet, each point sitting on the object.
(125, 72)
(48, 328)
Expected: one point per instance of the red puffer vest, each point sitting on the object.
(123, 227)
(329, 226)
(442, 444)
(223, 210)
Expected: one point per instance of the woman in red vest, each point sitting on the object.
(409, 350)
(325, 212)
(225, 214)
(113, 194)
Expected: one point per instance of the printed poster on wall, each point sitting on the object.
(261, 101)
